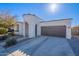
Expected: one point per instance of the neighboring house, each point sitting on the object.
(75, 30)
(32, 26)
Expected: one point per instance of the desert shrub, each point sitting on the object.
(4, 37)
(10, 42)
(11, 32)
(3, 31)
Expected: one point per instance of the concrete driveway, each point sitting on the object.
(44, 46)
(54, 46)
(74, 43)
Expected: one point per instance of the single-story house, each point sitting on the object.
(32, 26)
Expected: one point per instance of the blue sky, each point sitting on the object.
(64, 10)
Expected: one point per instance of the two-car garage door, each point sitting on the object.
(59, 31)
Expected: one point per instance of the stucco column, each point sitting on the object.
(24, 29)
(39, 30)
(68, 31)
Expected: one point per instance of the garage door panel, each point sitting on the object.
(59, 31)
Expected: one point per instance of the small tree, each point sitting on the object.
(3, 31)
(7, 20)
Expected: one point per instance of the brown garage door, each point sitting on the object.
(59, 31)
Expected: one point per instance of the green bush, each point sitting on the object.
(3, 31)
(4, 37)
(11, 33)
(10, 42)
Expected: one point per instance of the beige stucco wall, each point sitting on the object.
(32, 20)
(55, 23)
(68, 31)
(66, 22)
(20, 32)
